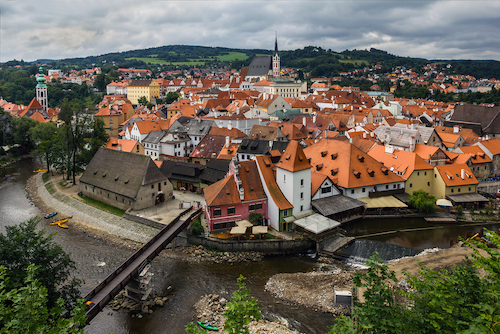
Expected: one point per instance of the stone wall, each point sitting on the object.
(280, 246)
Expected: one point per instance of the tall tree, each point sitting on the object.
(44, 137)
(23, 245)
(78, 124)
(25, 310)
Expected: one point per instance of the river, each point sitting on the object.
(190, 281)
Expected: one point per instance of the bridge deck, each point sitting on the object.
(118, 279)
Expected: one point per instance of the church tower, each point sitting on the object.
(276, 59)
(41, 90)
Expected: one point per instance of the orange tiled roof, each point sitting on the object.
(293, 159)
(266, 168)
(223, 192)
(352, 167)
(452, 175)
(493, 145)
(250, 180)
(477, 154)
(126, 144)
(401, 162)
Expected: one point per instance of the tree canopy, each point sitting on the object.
(25, 309)
(22, 245)
(464, 299)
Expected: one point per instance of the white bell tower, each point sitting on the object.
(276, 59)
(41, 90)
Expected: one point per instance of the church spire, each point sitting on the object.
(276, 44)
(276, 59)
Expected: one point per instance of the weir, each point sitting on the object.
(360, 250)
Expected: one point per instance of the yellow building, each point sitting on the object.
(113, 116)
(415, 170)
(139, 88)
(454, 179)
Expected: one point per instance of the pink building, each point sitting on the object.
(235, 197)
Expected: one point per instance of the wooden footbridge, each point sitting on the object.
(102, 294)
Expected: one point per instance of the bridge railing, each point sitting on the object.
(133, 257)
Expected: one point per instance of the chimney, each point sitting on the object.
(242, 194)
(412, 144)
(326, 134)
(228, 141)
(304, 120)
(120, 147)
(364, 135)
(462, 174)
(229, 125)
(314, 118)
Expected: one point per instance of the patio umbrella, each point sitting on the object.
(444, 202)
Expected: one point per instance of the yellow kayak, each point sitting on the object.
(39, 171)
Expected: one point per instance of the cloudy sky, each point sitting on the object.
(56, 29)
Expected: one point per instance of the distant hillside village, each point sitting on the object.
(262, 141)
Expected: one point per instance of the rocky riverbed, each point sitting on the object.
(314, 289)
(193, 253)
(210, 308)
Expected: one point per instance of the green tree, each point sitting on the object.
(142, 100)
(78, 125)
(22, 246)
(241, 310)
(460, 300)
(422, 201)
(171, 97)
(44, 137)
(21, 127)
(25, 309)
(255, 218)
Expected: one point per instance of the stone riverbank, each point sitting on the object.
(210, 308)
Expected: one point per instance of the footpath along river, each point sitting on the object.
(189, 281)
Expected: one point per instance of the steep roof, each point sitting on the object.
(400, 162)
(223, 192)
(250, 180)
(293, 159)
(452, 175)
(260, 66)
(266, 167)
(126, 145)
(348, 164)
(121, 172)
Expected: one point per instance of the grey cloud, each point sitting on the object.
(432, 29)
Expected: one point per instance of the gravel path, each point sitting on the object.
(92, 217)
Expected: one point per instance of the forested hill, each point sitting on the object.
(315, 60)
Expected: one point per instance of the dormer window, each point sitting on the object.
(370, 172)
(334, 171)
(361, 158)
(318, 167)
(334, 156)
(356, 173)
(324, 153)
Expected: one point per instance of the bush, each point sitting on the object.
(196, 228)
(422, 201)
(256, 218)
(460, 210)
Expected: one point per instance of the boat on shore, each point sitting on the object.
(206, 325)
(39, 170)
(6, 177)
(61, 222)
(50, 215)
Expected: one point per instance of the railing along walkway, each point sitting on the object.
(102, 294)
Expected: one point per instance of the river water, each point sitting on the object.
(190, 281)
